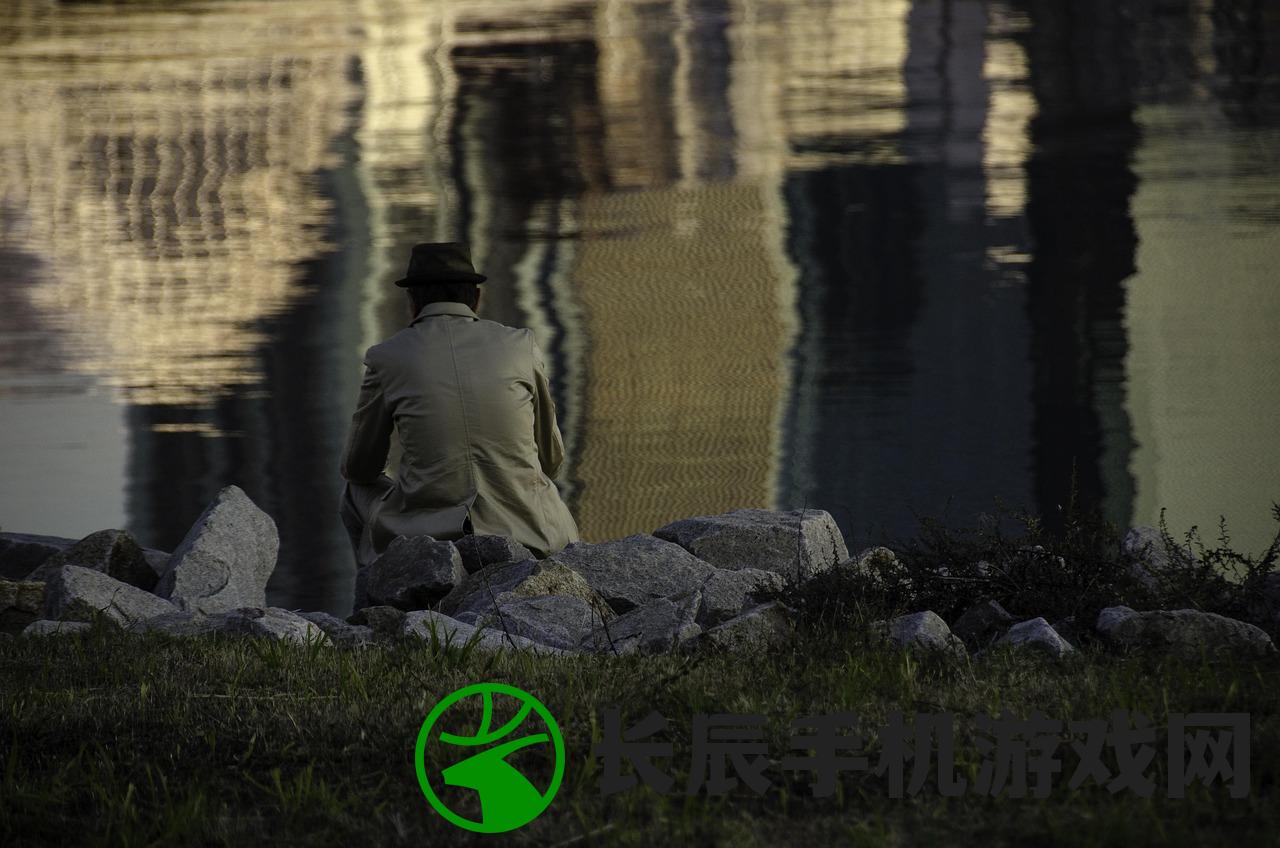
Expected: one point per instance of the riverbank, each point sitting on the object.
(115, 739)
(118, 737)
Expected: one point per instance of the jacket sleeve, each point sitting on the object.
(545, 431)
(369, 439)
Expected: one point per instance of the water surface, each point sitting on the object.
(879, 257)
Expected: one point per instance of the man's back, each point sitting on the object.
(470, 401)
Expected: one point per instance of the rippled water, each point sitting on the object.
(876, 257)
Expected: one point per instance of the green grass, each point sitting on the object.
(111, 740)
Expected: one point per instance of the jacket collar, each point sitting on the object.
(445, 307)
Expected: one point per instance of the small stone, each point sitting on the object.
(225, 560)
(767, 627)
(385, 622)
(659, 626)
(479, 551)
(556, 620)
(81, 594)
(275, 623)
(339, 631)
(112, 552)
(22, 553)
(923, 630)
(728, 594)
(503, 582)
(44, 627)
(413, 573)
(423, 624)
(983, 623)
(797, 544)
(1037, 634)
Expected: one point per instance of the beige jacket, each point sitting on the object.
(473, 409)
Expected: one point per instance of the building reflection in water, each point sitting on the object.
(876, 257)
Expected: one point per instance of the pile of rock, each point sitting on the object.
(709, 581)
(705, 581)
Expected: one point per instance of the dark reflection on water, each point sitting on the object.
(879, 257)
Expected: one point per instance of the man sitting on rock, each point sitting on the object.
(470, 401)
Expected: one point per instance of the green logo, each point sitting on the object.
(477, 756)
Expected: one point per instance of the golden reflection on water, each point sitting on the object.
(163, 168)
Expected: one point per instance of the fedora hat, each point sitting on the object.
(440, 262)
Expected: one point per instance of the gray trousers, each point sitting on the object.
(358, 501)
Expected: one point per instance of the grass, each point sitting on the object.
(108, 739)
(111, 740)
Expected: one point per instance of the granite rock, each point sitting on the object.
(796, 544)
(631, 572)
(414, 572)
(225, 560)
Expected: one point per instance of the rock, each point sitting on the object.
(112, 552)
(981, 624)
(413, 573)
(385, 622)
(21, 602)
(225, 560)
(1036, 633)
(556, 620)
(631, 572)
(1183, 632)
(73, 593)
(480, 551)
(660, 625)
(1149, 560)
(769, 626)
(478, 592)
(727, 594)
(796, 544)
(923, 631)
(44, 627)
(271, 623)
(22, 553)
(450, 631)
(880, 567)
(339, 631)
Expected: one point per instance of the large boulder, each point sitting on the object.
(631, 572)
(22, 553)
(413, 573)
(339, 631)
(660, 625)
(1183, 632)
(797, 544)
(982, 623)
(20, 604)
(769, 626)
(560, 621)
(497, 584)
(112, 552)
(728, 594)
(479, 551)
(73, 593)
(275, 623)
(424, 624)
(225, 560)
(1037, 635)
(924, 631)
